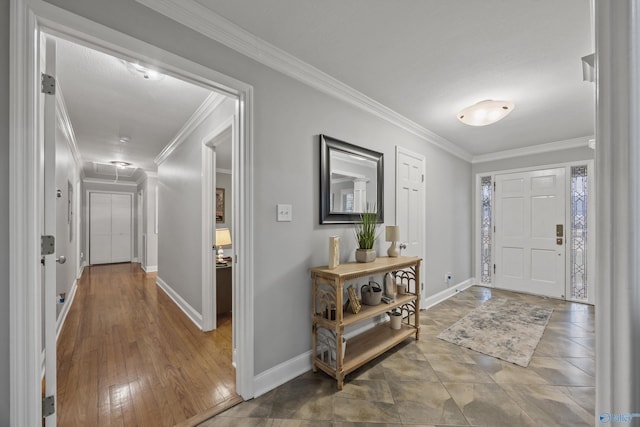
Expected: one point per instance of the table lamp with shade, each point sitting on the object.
(392, 234)
(223, 238)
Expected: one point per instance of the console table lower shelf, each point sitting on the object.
(365, 347)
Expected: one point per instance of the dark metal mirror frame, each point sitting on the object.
(328, 144)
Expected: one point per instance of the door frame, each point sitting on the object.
(209, 170)
(88, 220)
(28, 18)
(591, 226)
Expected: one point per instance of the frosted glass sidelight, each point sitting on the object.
(578, 236)
(486, 191)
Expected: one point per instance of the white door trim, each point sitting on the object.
(88, 221)
(422, 158)
(591, 244)
(28, 17)
(209, 309)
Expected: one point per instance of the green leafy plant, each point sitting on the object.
(366, 229)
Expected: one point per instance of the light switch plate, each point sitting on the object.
(285, 213)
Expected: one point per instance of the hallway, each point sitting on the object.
(127, 355)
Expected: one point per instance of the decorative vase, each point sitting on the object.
(365, 255)
(334, 252)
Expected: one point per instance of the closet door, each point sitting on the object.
(110, 228)
(100, 228)
(120, 228)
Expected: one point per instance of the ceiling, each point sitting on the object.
(424, 59)
(106, 102)
(428, 59)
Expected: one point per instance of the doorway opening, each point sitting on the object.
(26, 230)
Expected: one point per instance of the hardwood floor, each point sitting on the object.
(128, 356)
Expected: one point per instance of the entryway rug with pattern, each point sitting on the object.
(503, 328)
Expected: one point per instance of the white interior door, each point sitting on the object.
(410, 202)
(530, 232)
(120, 228)
(110, 228)
(49, 228)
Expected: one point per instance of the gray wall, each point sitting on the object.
(4, 212)
(288, 116)
(180, 211)
(66, 171)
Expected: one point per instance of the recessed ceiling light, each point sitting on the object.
(120, 164)
(124, 139)
(485, 112)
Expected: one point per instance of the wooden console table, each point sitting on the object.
(331, 314)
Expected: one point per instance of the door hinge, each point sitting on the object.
(494, 186)
(47, 245)
(494, 228)
(48, 85)
(48, 406)
(494, 269)
(422, 177)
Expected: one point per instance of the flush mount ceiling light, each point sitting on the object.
(124, 139)
(120, 164)
(485, 112)
(144, 72)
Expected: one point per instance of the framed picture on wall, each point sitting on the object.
(219, 204)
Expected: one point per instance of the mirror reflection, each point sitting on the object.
(353, 183)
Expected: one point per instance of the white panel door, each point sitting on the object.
(100, 228)
(410, 200)
(530, 210)
(120, 228)
(110, 228)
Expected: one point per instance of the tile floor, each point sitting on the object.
(434, 383)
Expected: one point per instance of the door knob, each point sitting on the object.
(403, 246)
(61, 260)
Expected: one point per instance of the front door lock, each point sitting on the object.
(559, 241)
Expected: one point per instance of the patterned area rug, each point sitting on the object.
(504, 328)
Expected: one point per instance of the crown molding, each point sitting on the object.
(62, 117)
(585, 141)
(207, 107)
(203, 20)
(108, 182)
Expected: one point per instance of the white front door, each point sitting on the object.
(530, 232)
(410, 201)
(49, 228)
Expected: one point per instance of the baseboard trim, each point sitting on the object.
(448, 293)
(280, 374)
(149, 268)
(65, 308)
(191, 312)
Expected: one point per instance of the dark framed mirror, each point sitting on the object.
(351, 178)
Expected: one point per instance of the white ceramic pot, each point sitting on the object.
(396, 320)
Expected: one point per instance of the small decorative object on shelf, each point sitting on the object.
(395, 317)
(366, 235)
(354, 302)
(390, 288)
(371, 294)
(334, 251)
(392, 234)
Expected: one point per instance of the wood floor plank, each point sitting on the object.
(128, 356)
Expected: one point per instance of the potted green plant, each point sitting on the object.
(366, 235)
